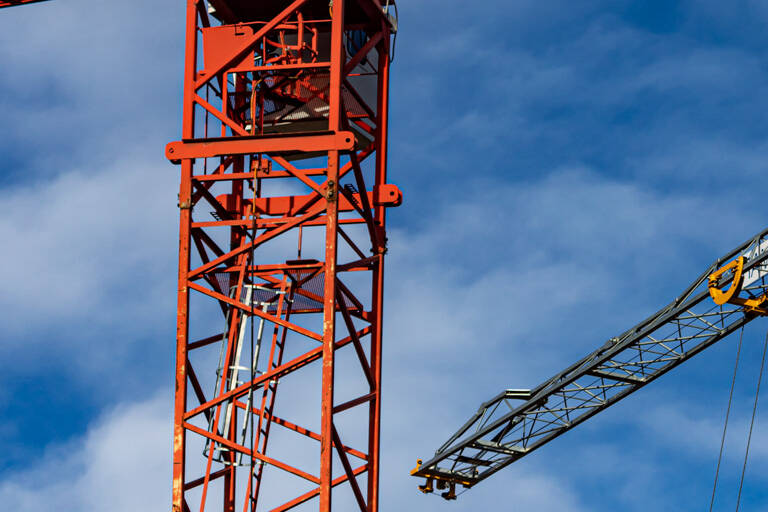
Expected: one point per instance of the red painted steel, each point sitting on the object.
(282, 238)
(11, 3)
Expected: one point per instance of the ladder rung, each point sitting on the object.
(498, 447)
(621, 377)
(472, 460)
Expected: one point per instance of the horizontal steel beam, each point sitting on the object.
(629, 379)
(269, 144)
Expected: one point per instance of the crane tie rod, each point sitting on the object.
(752, 422)
(727, 415)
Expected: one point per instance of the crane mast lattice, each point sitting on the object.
(283, 202)
(517, 421)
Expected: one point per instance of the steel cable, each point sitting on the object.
(727, 415)
(752, 423)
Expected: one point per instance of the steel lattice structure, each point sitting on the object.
(282, 203)
(516, 422)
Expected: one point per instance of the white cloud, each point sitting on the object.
(122, 463)
(509, 261)
(103, 68)
(88, 221)
(82, 240)
(702, 432)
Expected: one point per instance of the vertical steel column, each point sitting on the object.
(331, 237)
(296, 94)
(182, 315)
(378, 280)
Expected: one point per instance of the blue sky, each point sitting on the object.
(567, 169)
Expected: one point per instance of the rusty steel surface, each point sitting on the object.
(282, 239)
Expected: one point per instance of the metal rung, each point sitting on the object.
(518, 394)
(472, 460)
(629, 379)
(498, 448)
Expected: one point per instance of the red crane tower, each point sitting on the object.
(282, 203)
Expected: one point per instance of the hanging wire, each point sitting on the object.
(727, 414)
(394, 38)
(752, 423)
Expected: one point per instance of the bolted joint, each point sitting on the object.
(183, 205)
(331, 192)
(381, 235)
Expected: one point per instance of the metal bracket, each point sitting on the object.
(439, 481)
(754, 305)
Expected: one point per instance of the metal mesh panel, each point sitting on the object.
(306, 92)
(309, 295)
(312, 95)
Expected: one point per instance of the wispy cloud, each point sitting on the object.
(122, 463)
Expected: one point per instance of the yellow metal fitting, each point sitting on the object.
(439, 480)
(756, 305)
(719, 296)
(450, 494)
(427, 487)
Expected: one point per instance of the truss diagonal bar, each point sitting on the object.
(316, 491)
(243, 49)
(247, 309)
(11, 3)
(242, 449)
(289, 367)
(260, 240)
(303, 431)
